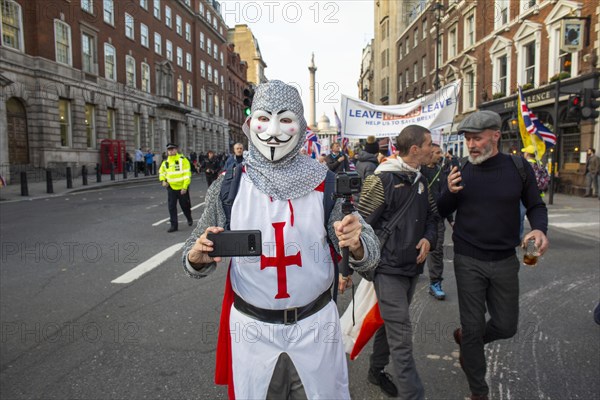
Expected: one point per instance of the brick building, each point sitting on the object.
(237, 82)
(76, 72)
(495, 46)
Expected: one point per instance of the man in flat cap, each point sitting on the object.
(485, 193)
(175, 174)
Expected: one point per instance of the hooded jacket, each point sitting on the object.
(383, 194)
(366, 165)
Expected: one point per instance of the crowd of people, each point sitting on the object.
(407, 201)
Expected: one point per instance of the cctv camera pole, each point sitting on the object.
(556, 155)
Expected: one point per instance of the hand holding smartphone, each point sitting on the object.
(236, 243)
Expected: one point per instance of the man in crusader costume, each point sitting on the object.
(295, 349)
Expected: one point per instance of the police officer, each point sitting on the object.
(176, 175)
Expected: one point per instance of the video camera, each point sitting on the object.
(347, 184)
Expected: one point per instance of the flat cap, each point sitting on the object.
(480, 121)
(172, 146)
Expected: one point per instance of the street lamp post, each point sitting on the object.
(437, 8)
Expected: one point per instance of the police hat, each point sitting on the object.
(171, 146)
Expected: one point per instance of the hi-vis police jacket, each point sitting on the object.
(176, 171)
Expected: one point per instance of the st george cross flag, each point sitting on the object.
(368, 320)
(528, 130)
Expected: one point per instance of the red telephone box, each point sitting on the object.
(112, 152)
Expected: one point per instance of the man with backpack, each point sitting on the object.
(398, 192)
(486, 193)
(286, 292)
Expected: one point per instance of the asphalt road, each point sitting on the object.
(68, 331)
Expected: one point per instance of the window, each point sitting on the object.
(209, 46)
(452, 43)
(208, 16)
(110, 123)
(169, 50)
(222, 59)
(144, 4)
(157, 43)
(201, 8)
(470, 90)
(502, 10)
(424, 66)
(188, 94)
(129, 28)
(527, 5)
(130, 71)
(90, 125)
(179, 56)
(151, 135)
(110, 62)
(210, 74)
(137, 131)
(145, 78)
(400, 82)
(188, 32)
(438, 51)
(216, 51)
(202, 40)
(144, 35)
(64, 115)
(62, 38)
(470, 30)
(530, 62)
(203, 100)
(385, 29)
(87, 6)
(188, 62)
(109, 11)
(217, 109)
(157, 9)
(384, 58)
(406, 47)
(203, 69)
(12, 25)
(415, 72)
(400, 51)
(216, 74)
(178, 24)
(425, 33)
(188, 3)
(222, 83)
(180, 90)
(88, 53)
(168, 17)
(502, 65)
(416, 37)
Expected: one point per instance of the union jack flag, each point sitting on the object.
(312, 144)
(391, 147)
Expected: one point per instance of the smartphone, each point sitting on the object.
(455, 162)
(236, 243)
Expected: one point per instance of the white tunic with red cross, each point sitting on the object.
(294, 269)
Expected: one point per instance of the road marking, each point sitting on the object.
(571, 225)
(149, 264)
(162, 221)
(559, 215)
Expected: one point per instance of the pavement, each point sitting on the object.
(579, 216)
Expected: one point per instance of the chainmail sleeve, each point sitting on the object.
(213, 215)
(368, 238)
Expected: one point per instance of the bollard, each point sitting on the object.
(153, 167)
(49, 187)
(135, 170)
(84, 175)
(24, 188)
(124, 171)
(112, 171)
(98, 173)
(69, 178)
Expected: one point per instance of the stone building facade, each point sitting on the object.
(237, 69)
(73, 73)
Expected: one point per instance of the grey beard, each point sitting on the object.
(480, 159)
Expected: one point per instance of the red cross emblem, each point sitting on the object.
(280, 261)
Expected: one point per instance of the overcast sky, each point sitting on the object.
(288, 32)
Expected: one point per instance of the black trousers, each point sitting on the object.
(491, 285)
(184, 202)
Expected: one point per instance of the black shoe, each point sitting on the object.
(172, 229)
(190, 222)
(384, 381)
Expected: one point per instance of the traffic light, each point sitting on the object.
(248, 96)
(590, 103)
(574, 109)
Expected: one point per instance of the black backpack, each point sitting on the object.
(231, 185)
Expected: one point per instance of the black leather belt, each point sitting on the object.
(288, 316)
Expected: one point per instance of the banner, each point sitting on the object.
(361, 119)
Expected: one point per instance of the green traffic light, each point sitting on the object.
(247, 111)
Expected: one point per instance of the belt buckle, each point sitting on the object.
(285, 316)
